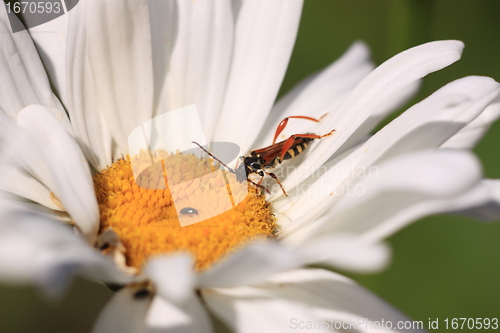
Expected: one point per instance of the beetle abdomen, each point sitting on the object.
(296, 150)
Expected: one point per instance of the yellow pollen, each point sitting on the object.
(148, 218)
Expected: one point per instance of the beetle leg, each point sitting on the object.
(258, 185)
(277, 180)
(284, 122)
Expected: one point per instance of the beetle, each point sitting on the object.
(271, 156)
(188, 211)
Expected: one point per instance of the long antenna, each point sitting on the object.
(215, 158)
(230, 170)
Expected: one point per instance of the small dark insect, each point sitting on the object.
(142, 293)
(188, 211)
(273, 155)
(104, 246)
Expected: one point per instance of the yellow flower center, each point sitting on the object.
(149, 218)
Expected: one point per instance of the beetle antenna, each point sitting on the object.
(215, 158)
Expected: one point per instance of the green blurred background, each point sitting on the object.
(443, 266)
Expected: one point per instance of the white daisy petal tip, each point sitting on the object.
(65, 171)
(251, 264)
(451, 48)
(360, 47)
(173, 276)
(190, 316)
(473, 86)
(125, 312)
(434, 172)
(346, 252)
(488, 211)
(474, 131)
(163, 314)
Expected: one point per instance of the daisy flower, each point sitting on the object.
(70, 204)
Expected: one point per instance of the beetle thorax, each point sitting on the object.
(253, 163)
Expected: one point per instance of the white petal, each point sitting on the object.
(83, 261)
(346, 252)
(50, 41)
(17, 181)
(21, 204)
(163, 16)
(474, 131)
(378, 115)
(56, 160)
(18, 251)
(191, 317)
(124, 313)
(249, 265)
(426, 125)
(87, 119)
(431, 122)
(490, 210)
(264, 36)
(192, 47)
(118, 48)
(405, 189)
(372, 93)
(112, 248)
(255, 309)
(313, 295)
(35, 249)
(173, 276)
(318, 94)
(22, 77)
